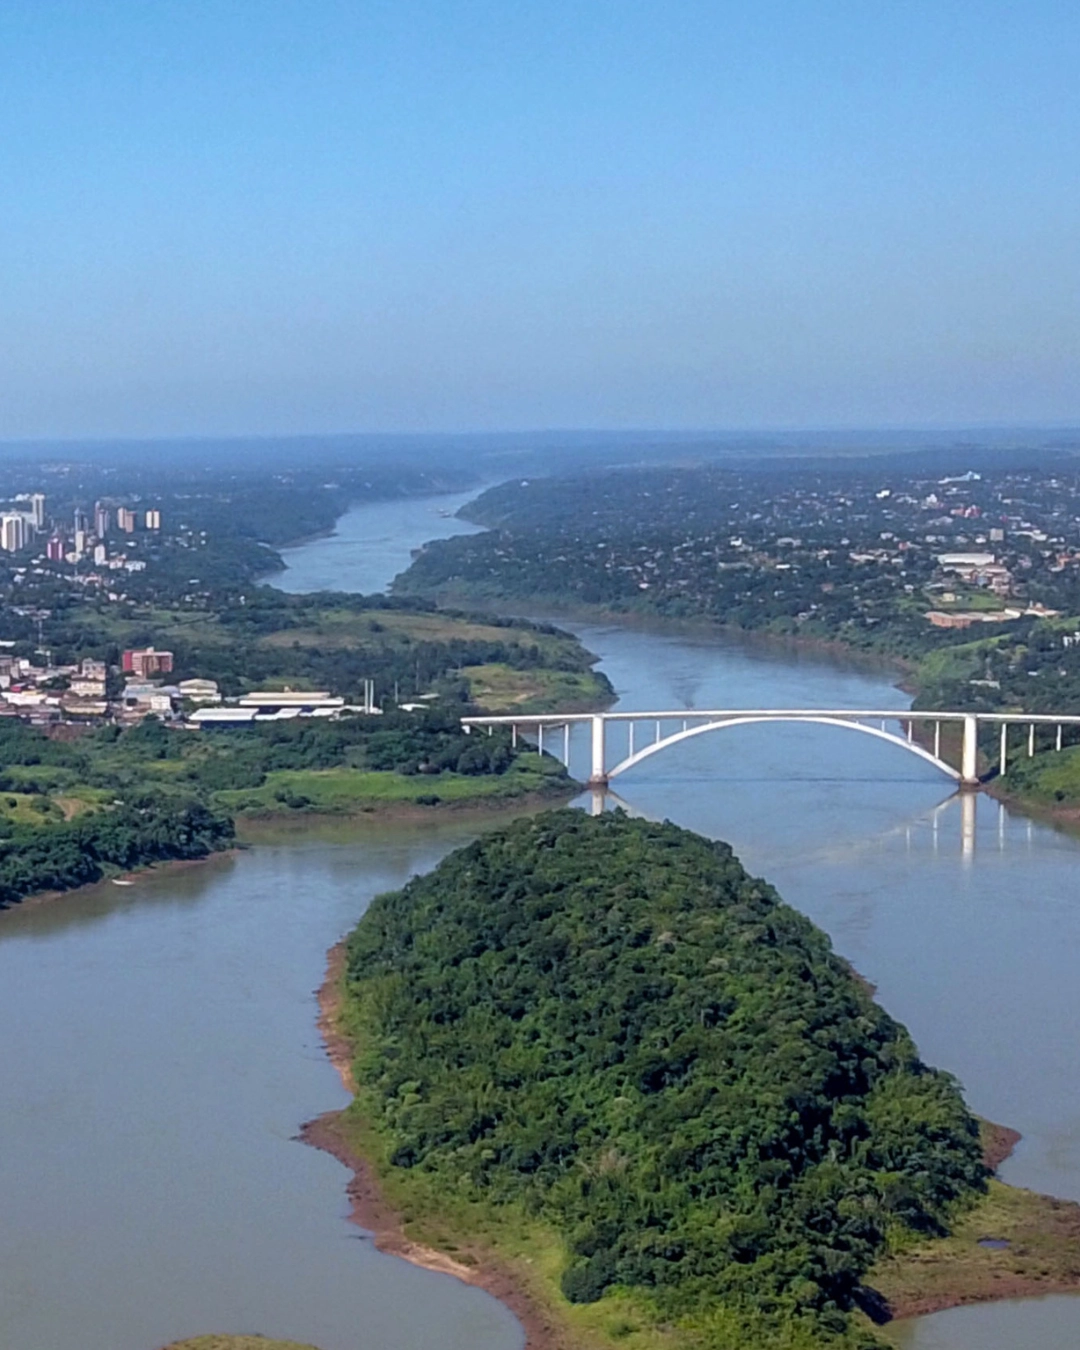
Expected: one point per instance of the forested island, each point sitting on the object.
(596, 1053)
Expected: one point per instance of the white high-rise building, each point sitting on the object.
(14, 532)
(37, 510)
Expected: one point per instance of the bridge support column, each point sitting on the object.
(969, 756)
(598, 776)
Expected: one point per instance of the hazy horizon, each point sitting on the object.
(491, 456)
(274, 218)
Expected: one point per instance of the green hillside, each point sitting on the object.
(605, 1031)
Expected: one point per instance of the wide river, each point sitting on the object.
(162, 1049)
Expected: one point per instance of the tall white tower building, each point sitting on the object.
(14, 532)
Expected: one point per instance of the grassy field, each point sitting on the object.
(967, 597)
(344, 791)
(346, 628)
(322, 627)
(1041, 1255)
(306, 638)
(21, 808)
(498, 688)
(963, 661)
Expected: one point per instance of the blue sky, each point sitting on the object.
(277, 216)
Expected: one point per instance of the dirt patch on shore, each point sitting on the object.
(369, 1208)
(998, 1143)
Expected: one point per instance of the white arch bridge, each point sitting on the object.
(937, 737)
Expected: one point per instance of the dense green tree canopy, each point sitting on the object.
(610, 1024)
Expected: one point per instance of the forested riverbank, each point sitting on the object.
(80, 800)
(670, 1105)
(73, 811)
(967, 581)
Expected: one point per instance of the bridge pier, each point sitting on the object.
(969, 755)
(598, 776)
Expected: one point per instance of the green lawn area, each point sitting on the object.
(331, 627)
(82, 798)
(342, 790)
(24, 808)
(110, 622)
(968, 597)
(961, 661)
(500, 688)
(42, 775)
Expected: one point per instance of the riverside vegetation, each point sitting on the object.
(843, 552)
(600, 1050)
(108, 800)
(72, 812)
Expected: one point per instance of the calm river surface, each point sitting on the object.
(161, 1051)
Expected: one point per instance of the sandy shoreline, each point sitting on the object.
(368, 1207)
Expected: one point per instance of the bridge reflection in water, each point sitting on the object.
(952, 822)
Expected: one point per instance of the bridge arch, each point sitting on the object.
(848, 724)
